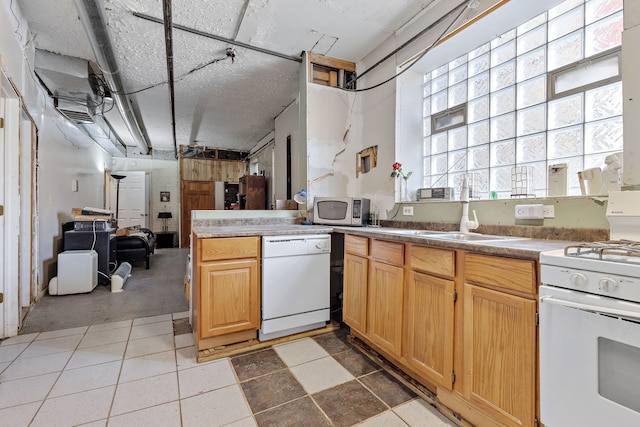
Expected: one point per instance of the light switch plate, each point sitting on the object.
(407, 210)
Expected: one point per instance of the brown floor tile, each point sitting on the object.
(271, 390)
(387, 388)
(301, 412)
(348, 403)
(333, 342)
(255, 364)
(356, 363)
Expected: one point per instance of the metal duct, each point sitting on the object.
(95, 26)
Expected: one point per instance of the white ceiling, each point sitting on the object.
(223, 105)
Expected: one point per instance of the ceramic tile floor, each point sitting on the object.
(137, 373)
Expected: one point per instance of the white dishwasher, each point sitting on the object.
(295, 284)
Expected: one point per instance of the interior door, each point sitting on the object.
(195, 195)
(132, 207)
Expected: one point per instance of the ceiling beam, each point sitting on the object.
(168, 40)
(219, 38)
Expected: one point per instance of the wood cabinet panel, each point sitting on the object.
(355, 279)
(356, 245)
(230, 297)
(500, 354)
(430, 327)
(385, 306)
(432, 260)
(388, 252)
(508, 273)
(229, 248)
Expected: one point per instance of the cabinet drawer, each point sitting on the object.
(432, 260)
(229, 248)
(387, 252)
(508, 273)
(356, 245)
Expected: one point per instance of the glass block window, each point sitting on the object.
(548, 91)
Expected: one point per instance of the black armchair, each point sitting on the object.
(136, 247)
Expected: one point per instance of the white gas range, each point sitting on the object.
(590, 326)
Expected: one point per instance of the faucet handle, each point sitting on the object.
(472, 225)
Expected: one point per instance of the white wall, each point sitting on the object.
(163, 176)
(65, 153)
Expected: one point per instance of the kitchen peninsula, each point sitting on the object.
(458, 315)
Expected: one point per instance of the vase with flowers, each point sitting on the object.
(398, 173)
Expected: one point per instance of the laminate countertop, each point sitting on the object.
(510, 246)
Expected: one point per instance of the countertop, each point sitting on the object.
(258, 230)
(524, 248)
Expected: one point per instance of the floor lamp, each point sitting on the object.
(118, 178)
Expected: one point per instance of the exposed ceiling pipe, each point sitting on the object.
(95, 26)
(219, 38)
(168, 41)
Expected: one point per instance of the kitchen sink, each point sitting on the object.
(472, 237)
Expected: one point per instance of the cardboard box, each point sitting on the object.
(76, 213)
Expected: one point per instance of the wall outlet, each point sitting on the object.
(549, 211)
(407, 210)
(533, 211)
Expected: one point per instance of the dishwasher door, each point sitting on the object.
(295, 284)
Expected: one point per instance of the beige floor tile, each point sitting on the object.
(151, 329)
(149, 345)
(26, 390)
(3, 366)
(148, 366)
(86, 378)
(109, 326)
(19, 416)
(386, 419)
(32, 366)
(205, 378)
(62, 333)
(184, 340)
(186, 357)
(108, 336)
(167, 414)
(181, 315)
(20, 339)
(145, 393)
(418, 413)
(51, 346)
(8, 353)
(152, 319)
(216, 408)
(74, 409)
(245, 422)
(97, 355)
(300, 351)
(99, 423)
(321, 374)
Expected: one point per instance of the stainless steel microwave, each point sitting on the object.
(341, 211)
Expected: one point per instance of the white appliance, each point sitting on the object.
(295, 284)
(77, 273)
(341, 211)
(590, 326)
(557, 180)
(590, 181)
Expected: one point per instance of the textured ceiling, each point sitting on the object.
(224, 104)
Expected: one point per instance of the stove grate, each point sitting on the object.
(626, 251)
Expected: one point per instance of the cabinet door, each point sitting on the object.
(500, 354)
(384, 316)
(230, 297)
(354, 310)
(430, 327)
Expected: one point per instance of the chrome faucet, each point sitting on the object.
(465, 223)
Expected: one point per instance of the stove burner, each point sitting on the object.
(626, 251)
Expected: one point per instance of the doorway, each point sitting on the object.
(133, 200)
(195, 195)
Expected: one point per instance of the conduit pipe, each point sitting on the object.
(95, 26)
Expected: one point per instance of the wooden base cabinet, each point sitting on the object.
(227, 291)
(500, 354)
(461, 323)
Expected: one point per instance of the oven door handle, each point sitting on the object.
(593, 308)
